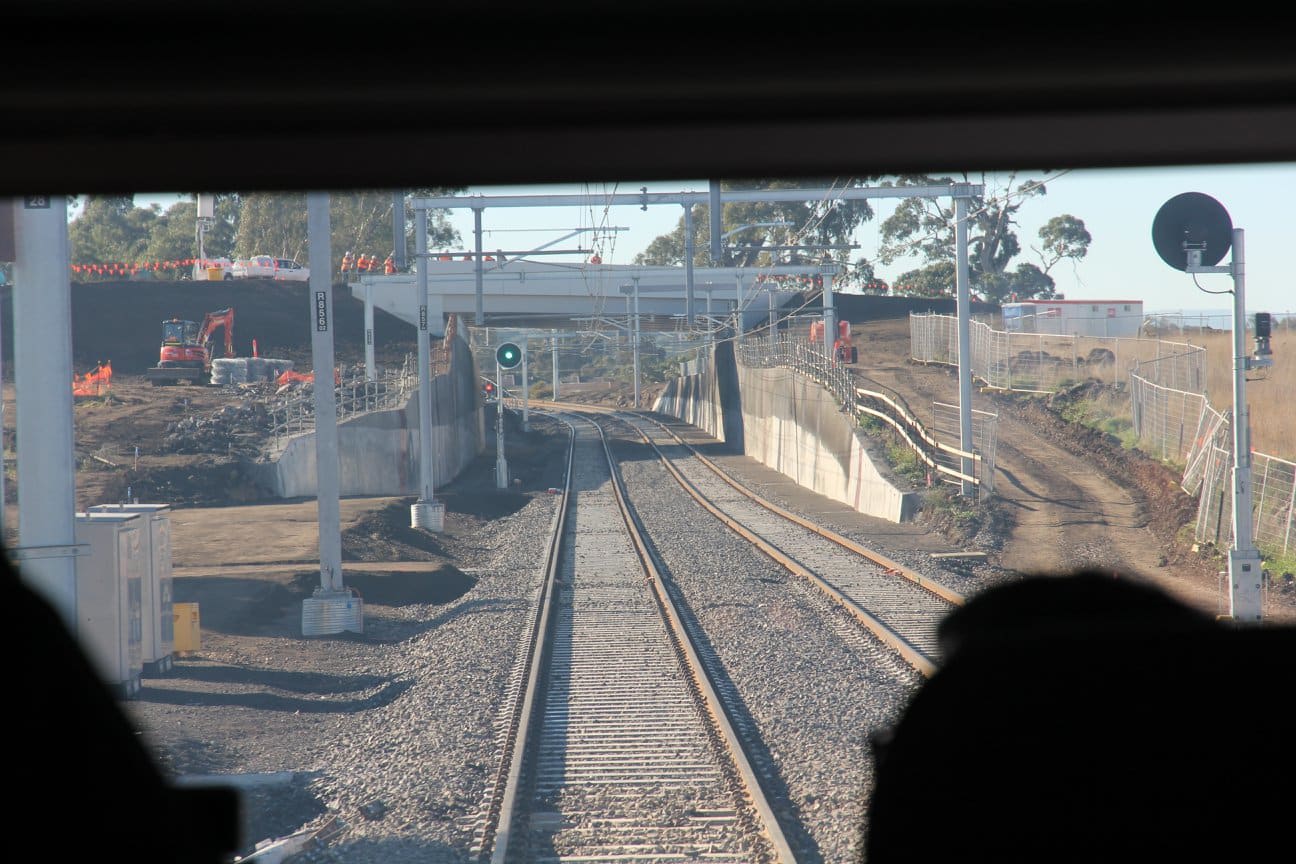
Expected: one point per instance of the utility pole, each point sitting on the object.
(371, 372)
(1192, 232)
(426, 513)
(398, 230)
(526, 384)
(688, 266)
(773, 322)
(42, 303)
(968, 488)
(554, 334)
(480, 317)
(332, 608)
(635, 279)
(1245, 566)
(501, 464)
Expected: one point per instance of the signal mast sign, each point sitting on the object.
(508, 355)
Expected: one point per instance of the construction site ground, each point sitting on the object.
(1075, 496)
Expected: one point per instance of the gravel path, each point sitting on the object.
(426, 757)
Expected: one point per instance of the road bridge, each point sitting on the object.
(521, 287)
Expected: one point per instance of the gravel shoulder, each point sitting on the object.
(391, 731)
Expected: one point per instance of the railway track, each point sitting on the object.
(617, 748)
(897, 605)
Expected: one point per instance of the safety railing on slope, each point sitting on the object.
(293, 412)
(873, 401)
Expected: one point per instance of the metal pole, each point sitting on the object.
(480, 316)
(636, 342)
(773, 329)
(688, 266)
(554, 334)
(964, 346)
(710, 328)
(501, 464)
(716, 213)
(1244, 559)
(425, 371)
(371, 373)
(42, 299)
(398, 230)
(738, 305)
(326, 435)
(829, 317)
(526, 385)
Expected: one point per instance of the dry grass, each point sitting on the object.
(1272, 401)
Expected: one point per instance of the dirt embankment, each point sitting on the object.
(122, 321)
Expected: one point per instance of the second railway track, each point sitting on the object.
(901, 608)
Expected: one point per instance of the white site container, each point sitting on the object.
(157, 642)
(1075, 317)
(108, 608)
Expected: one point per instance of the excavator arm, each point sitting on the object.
(223, 318)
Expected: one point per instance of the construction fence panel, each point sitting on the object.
(1273, 485)
(946, 425)
(1044, 362)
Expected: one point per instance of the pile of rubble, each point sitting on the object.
(232, 428)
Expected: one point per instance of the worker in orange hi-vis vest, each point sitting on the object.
(389, 266)
(362, 263)
(348, 261)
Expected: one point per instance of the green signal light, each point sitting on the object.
(508, 355)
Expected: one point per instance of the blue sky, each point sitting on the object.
(1116, 205)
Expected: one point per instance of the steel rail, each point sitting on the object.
(884, 633)
(499, 817)
(701, 677)
(878, 558)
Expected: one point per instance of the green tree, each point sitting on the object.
(1062, 237)
(925, 227)
(827, 221)
(110, 229)
(271, 223)
(933, 280)
(360, 222)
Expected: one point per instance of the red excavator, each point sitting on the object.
(186, 353)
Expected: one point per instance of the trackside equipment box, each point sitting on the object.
(158, 636)
(108, 596)
(1075, 317)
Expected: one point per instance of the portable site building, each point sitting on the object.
(1075, 317)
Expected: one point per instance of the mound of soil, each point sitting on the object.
(121, 321)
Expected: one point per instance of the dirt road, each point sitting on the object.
(1075, 503)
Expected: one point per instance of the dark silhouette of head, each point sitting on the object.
(1086, 718)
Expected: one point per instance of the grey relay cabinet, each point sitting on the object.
(158, 633)
(108, 596)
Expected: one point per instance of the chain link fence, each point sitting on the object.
(1170, 413)
(1046, 362)
(1183, 428)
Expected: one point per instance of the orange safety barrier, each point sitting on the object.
(290, 376)
(96, 382)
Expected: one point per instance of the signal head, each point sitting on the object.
(508, 355)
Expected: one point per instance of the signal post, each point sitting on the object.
(507, 356)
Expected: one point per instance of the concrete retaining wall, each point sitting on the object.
(794, 426)
(379, 452)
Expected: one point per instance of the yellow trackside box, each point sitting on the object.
(188, 634)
